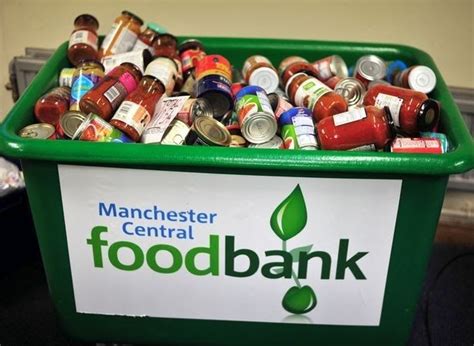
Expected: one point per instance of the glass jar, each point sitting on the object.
(309, 92)
(123, 35)
(107, 95)
(83, 42)
(51, 106)
(412, 111)
(147, 37)
(356, 128)
(166, 45)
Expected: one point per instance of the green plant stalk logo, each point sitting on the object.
(287, 221)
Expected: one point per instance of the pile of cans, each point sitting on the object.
(142, 86)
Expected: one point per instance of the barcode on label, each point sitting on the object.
(112, 93)
(124, 108)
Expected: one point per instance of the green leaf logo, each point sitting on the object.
(290, 217)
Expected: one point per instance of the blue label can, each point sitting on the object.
(217, 91)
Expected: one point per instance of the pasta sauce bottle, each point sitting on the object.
(83, 42)
(123, 35)
(136, 111)
(412, 111)
(309, 92)
(356, 128)
(107, 95)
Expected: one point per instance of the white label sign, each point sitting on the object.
(228, 247)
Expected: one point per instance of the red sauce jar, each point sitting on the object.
(138, 108)
(294, 68)
(165, 45)
(412, 111)
(309, 92)
(356, 128)
(147, 37)
(83, 43)
(288, 61)
(51, 106)
(107, 95)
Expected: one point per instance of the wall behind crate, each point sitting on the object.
(443, 29)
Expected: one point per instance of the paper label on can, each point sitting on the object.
(80, 86)
(140, 46)
(65, 76)
(393, 103)
(134, 115)
(349, 116)
(112, 61)
(282, 107)
(165, 112)
(252, 104)
(417, 145)
(85, 37)
(309, 92)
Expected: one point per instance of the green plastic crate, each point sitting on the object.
(422, 181)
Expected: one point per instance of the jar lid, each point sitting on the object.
(156, 28)
(428, 115)
(371, 67)
(167, 34)
(422, 78)
(190, 44)
(88, 17)
(134, 16)
(90, 61)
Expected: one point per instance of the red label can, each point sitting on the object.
(417, 145)
(190, 58)
(214, 65)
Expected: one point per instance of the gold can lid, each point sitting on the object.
(37, 131)
(212, 131)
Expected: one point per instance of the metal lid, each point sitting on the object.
(70, 122)
(371, 67)
(134, 16)
(175, 133)
(37, 131)
(422, 78)
(82, 126)
(338, 66)
(274, 143)
(259, 127)
(190, 44)
(212, 131)
(266, 78)
(87, 17)
(428, 115)
(201, 108)
(391, 124)
(351, 89)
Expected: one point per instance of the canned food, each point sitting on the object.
(236, 87)
(213, 65)
(393, 68)
(274, 143)
(217, 91)
(189, 85)
(258, 70)
(352, 90)
(329, 67)
(208, 132)
(194, 108)
(289, 61)
(96, 129)
(297, 129)
(256, 118)
(237, 140)
(70, 122)
(442, 138)
(65, 76)
(38, 131)
(191, 52)
(279, 104)
(419, 78)
(417, 145)
(175, 133)
(369, 68)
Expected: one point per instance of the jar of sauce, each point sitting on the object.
(288, 61)
(51, 106)
(83, 42)
(294, 68)
(147, 37)
(418, 78)
(258, 70)
(166, 45)
(107, 95)
(123, 35)
(309, 92)
(356, 128)
(412, 111)
(136, 111)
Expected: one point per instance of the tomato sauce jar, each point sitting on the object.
(418, 78)
(258, 70)
(83, 43)
(412, 111)
(123, 35)
(309, 92)
(107, 95)
(330, 66)
(166, 45)
(356, 128)
(51, 106)
(147, 37)
(293, 67)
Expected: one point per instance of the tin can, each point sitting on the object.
(176, 133)
(329, 67)
(274, 143)
(417, 145)
(393, 68)
(237, 140)
(140, 58)
(258, 70)
(369, 68)
(65, 76)
(194, 108)
(442, 138)
(87, 74)
(38, 131)
(70, 122)
(352, 90)
(279, 104)
(236, 87)
(213, 65)
(189, 85)
(217, 91)
(297, 129)
(289, 61)
(419, 78)
(256, 118)
(96, 129)
(208, 131)
(190, 52)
